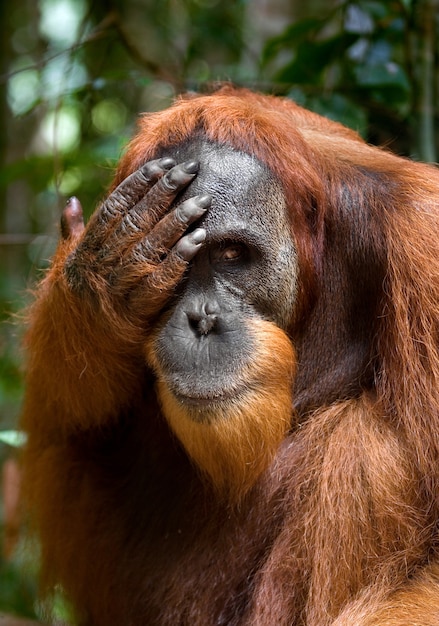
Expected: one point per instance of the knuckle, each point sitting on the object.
(171, 181)
(113, 205)
(147, 253)
(183, 213)
(131, 189)
(130, 223)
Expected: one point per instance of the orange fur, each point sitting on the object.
(234, 441)
(335, 526)
(416, 605)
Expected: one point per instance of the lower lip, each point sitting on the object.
(209, 401)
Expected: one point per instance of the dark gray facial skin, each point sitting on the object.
(246, 269)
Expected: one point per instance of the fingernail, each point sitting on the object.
(204, 201)
(191, 167)
(73, 206)
(167, 163)
(198, 236)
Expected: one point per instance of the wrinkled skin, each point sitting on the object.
(127, 237)
(230, 223)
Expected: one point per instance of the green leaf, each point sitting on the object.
(314, 57)
(291, 36)
(388, 74)
(14, 438)
(340, 109)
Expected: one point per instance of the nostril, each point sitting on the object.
(202, 323)
(194, 320)
(207, 324)
(203, 316)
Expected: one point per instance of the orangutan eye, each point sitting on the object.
(232, 252)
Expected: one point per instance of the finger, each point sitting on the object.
(172, 226)
(154, 283)
(131, 190)
(139, 221)
(158, 286)
(72, 219)
(151, 208)
(187, 247)
(104, 222)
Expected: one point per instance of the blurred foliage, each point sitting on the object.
(18, 587)
(371, 65)
(76, 73)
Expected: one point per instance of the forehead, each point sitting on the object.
(245, 194)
